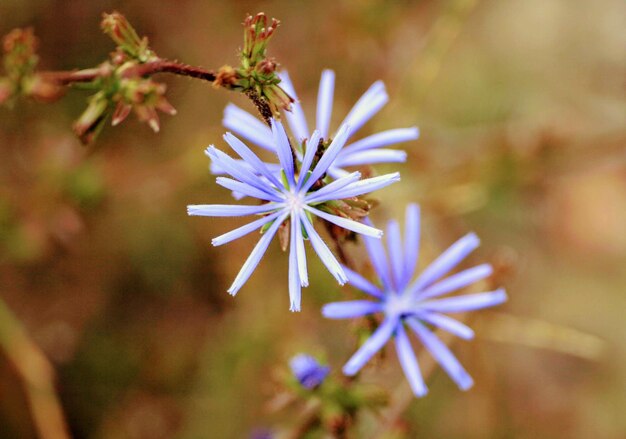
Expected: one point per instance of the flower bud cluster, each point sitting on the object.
(121, 87)
(20, 60)
(258, 72)
(128, 41)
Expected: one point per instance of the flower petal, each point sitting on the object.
(300, 252)
(447, 324)
(384, 138)
(326, 192)
(409, 363)
(323, 252)
(255, 256)
(328, 157)
(371, 346)
(228, 209)
(350, 309)
(367, 106)
(309, 155)
(394, 244)
(346, 223)
(468, 302)
(445, 262)
(366, 186)
(295, 117)
(378, 257)
(239, 171)
(245, 229)
(283, 150)
(411, 241)
(246, 189)
(325, 102)
(442, 355)
(360, 283)
(248, 127)
(360, 158)
(250, 158)
(295, 288)
(457, 281)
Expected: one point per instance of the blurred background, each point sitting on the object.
(521, 106)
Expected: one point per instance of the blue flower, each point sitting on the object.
(288, 198)
(415, 304)
(308, 371)
(367, 151)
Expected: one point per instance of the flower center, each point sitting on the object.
(294, 201)
(399, 304)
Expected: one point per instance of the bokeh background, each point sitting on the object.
(521, 105)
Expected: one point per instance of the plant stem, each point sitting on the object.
(69, 77)
(37, 375)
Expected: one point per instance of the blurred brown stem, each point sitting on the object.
(37, 375)
(307, 419)
(147, 69)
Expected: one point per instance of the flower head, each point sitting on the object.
(308, 371)
(415, 304)
(290, 198)
(367, 151)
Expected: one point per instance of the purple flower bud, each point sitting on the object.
(308, 371)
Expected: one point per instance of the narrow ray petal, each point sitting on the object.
(346, 223)
(384, 138)
(328, 157)
(367, 106)
(371, 346)
(336, 172)
(283, 150)
(326, 193)
(239, 171)
(246, 189)
(446, 262)
(351, 309)
(366, 186)
(309, 155)
(411, 241)
(442, 355)
(468, 302)
(370, 157)
(301, 253)
(255, 256)
(360, 283)
(394, 244)
(295, 117)
(250, 158)
(248, 127)
(323, 252)
(228, 209)
(457, 281)
(325, 102)
(378, 257)
(245, 229)
(447, 324)
(295, 288)
(409, 363)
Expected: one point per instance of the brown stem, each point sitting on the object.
(36, 374)
(165, 66)
(147, 69)
(307, 419)
(343, 255)
(71, 76)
